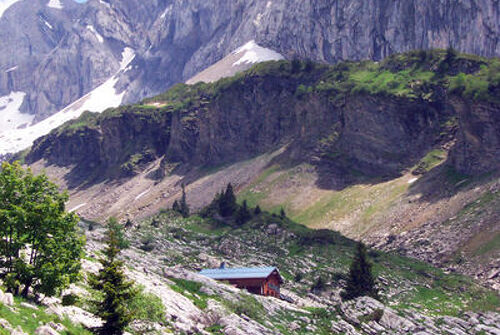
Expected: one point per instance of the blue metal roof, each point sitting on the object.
(238, 273)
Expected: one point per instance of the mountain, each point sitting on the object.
(403, 154)
(61, 51)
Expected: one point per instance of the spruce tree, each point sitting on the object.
(257, 210)
(183, 206)
(282, 213)
(243, 214)
(117, 291)
(361, 281)
(227, 203)
(176, 207)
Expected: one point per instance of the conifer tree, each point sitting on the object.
(243, 214)
(282, 213)
(176, 207)
(117, 291)
(257, 210)
(183, 206)
(319, 285)
(361, 281)
(118, 230)
(227, 203)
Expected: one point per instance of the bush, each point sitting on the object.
(319, 285)
(298, 277)
(147, 306)
(147, 243)
(249, 306)
(70, 300)
(376, 316)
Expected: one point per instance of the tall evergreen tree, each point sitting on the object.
(176, 207)
(119, 233)
(361, 281)
(282, 213)
(227, 203)
(117, 291)
(183, 206)
(257, 210)
(243, 214)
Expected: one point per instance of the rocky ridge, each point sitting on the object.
(72, 49)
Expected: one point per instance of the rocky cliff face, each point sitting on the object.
(61, 54)
(478, 146)
(277, 105)
(252, 117)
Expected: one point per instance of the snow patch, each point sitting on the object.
(102, 97)
(4, 4)
(142, 194)
(47, 24)
(105, 3)
(77, 207)
(254, 53)
(97, 35)
(14, 68)
(411, 181)
(55, 4)
(10, 116)
(167, 11)
(128, 56)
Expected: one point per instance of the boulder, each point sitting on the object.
(45, 330)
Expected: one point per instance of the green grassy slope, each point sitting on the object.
(303, 255)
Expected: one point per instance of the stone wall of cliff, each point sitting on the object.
(175, 39)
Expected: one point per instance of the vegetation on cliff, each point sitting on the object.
(422, 74)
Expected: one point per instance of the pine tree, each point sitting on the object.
(183, 206)
(117, 291)
(282, 213)
(319, 285)
(176, 207)
(361, 281)
(129, 224)
(118, 231)
(243, 214)
(257, 210)
(227, 203)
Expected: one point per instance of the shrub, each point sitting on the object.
(147, 243)
(70, 300)
(147, 306)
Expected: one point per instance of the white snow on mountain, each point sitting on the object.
(99, 99)
(14, 68)
(4, 4)
(239, 60)
(10, 116)
(254, 53)
(47, 24)
(55, 4)
(97, 35)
